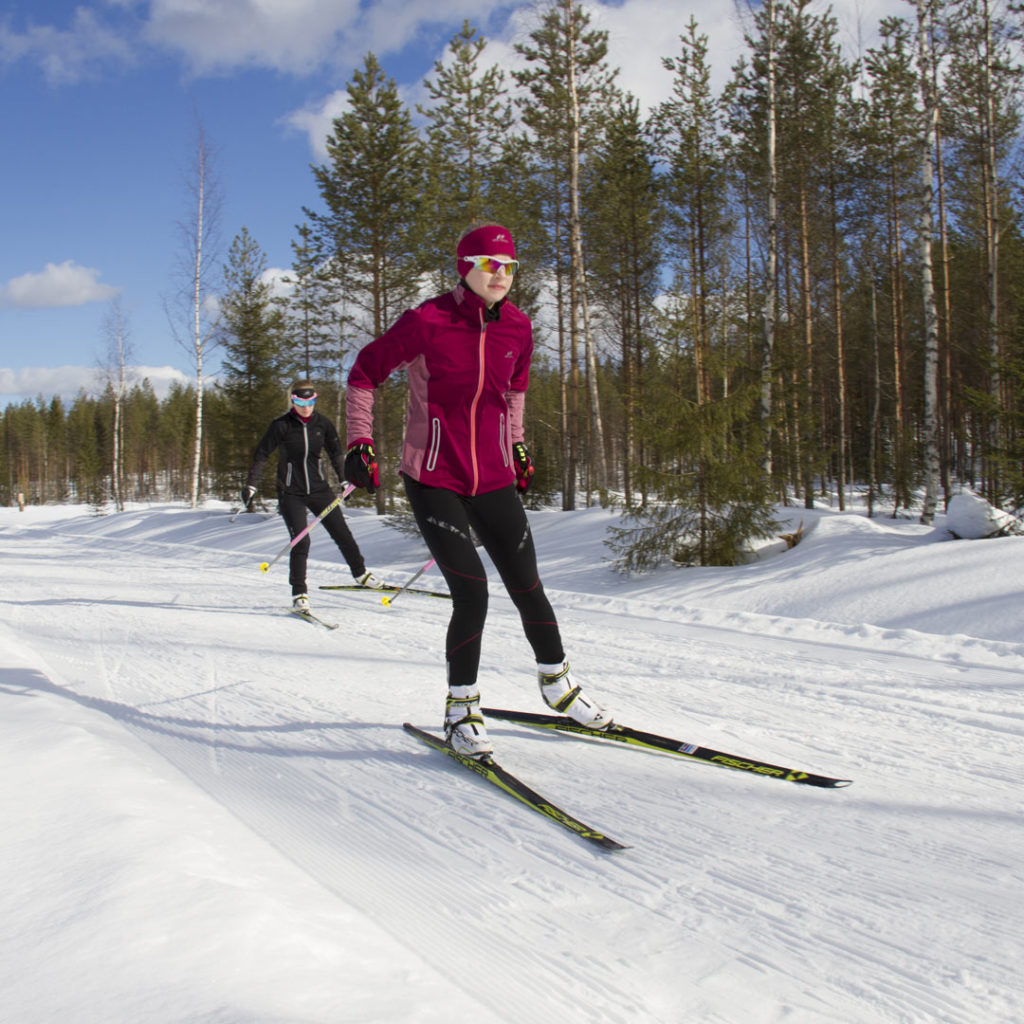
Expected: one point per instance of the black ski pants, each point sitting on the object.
(499, 520)
(293, 509)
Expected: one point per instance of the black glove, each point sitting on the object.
(248, 493)
(524, 466)
(361, 466)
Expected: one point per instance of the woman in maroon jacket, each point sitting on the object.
(467, 354)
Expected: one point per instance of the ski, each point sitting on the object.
(634, 737)
(489, 769)
(312, 619)
(389, 589)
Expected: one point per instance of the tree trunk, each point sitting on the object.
(768, 345)
(925, 230)
(876, 400)
(806, 480)
(598, 457)
(837, 299)
(992, 238)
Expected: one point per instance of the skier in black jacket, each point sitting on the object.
(300, 435)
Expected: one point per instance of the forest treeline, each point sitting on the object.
(805, 281)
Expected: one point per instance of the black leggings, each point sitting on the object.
(499, 520)
(293, 508)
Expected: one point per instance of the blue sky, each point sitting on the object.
(99, 126)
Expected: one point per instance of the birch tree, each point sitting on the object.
(930, 118)
(192, 309)
(115, 328)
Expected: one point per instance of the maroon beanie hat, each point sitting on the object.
(489, 240)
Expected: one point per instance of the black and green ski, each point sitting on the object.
(389, 589)
(649, 741)
(489, 769)
(312, 619)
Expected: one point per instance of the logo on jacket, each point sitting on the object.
(510, 354)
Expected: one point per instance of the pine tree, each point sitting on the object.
(708, 496)
(569, 90)
(702, 466)
(467, 141)
(370, 188)
(983, 113)
(311, 310)
(811, 80)
(892, 194)
(622, 238)
(254, 366)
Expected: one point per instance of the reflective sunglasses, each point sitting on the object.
(492, 264)
(304, 397)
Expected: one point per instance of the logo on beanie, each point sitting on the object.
(486, 240)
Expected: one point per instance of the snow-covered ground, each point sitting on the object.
(209, 811)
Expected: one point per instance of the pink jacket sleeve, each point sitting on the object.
(374, 364)
(358, 415)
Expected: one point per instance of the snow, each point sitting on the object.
(210, 812)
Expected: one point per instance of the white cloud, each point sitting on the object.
(66, 381)
(66, 56)
(299, 36)
(288, 35)
(59, 284)
(274, 277)
(296, 36)
(642, 32)
(317, 121)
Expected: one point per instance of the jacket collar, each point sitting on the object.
(473, 308)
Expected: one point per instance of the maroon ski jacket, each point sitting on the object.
(469, 368)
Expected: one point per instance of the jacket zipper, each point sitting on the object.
(473, 406)
(305, 454)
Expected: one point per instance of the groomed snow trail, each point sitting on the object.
(742, 899)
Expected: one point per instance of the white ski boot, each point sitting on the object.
(464, 728)
(371, 581)
(300, 602)
(562, 695)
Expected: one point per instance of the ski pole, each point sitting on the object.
(388, 601)
(349, 488)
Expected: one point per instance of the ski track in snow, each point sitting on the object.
(741, 900)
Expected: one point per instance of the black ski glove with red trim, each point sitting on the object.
(361, 466)
(524, 466)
